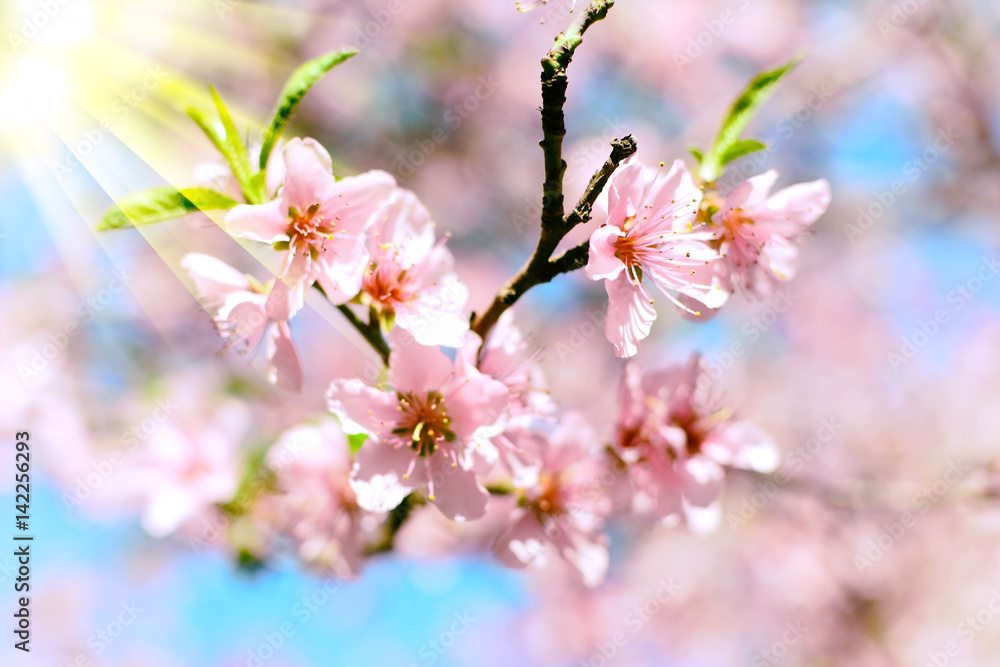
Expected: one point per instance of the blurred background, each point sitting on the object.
(877, 369)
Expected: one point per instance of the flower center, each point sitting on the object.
(546, 497)
(425, 422)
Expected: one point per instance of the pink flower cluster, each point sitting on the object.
(467, 424)
(695, 249)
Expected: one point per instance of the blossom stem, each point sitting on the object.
(397, 517)
(540, 268)
(554, 222)
(371, 331)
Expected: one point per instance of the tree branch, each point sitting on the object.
(539, 268)
(371, 331)
(555, 224)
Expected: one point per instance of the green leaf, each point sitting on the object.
(696, 152)
(356, 440)
(298, 84)
(159, 204)
(741, 148)
(740, 113)
(233, 149)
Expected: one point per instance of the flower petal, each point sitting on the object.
(602, 263)
(630, 315)
(267, 223)
(378, 476)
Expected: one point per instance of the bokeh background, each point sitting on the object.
(877, 369)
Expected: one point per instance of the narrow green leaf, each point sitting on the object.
(696, 152)
(356, 440)
(740, 113)
(741, 148)
(235, 151)
(159, 204)
(298, 84)
(212, 129)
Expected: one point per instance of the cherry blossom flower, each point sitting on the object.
(428, 426)
(411, 280)
(564, 511)
(507, 356)
(316, 505)
(676, 442)
(319, 221)
(758, 229)
(246, 312)
(184, 470)
(650, 231)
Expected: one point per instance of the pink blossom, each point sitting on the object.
(319, 221)
(246, 312)
(411, 280)
(677, 442)
(650, 231)
(508, 357)
(316, 505)
(564, 510)
(758, 229)
(429, 425)
(182, 472)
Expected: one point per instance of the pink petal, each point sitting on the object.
(625, 190)
(248, 322)
(267, 223)
(742, 444)
(630, 316)
(284, 368)
(701, 480)
(362, 409)
(308, 174)
(416, 368)
(456, 492)
(378, 475)
(673, 198)
(281, 302)
(587, 554)
(213, 279)
(341, 267)
(476, 401)
(803, 203)
(523, 543)
(353, 202)
(602, 264)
